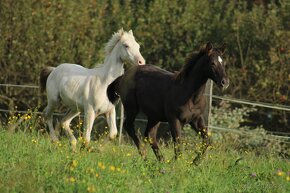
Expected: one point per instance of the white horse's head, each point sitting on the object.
(126, 47)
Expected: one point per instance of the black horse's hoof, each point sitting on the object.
(197, 160)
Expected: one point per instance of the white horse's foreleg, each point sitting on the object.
(111, 120)
(88, 124)
(65, 122)
(48, 114)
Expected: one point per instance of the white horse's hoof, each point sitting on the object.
(113, 137)
(74, 145)
(54, 139)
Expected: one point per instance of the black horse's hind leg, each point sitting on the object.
(175, 128)
(150, 136)
(200, 128)
(130, 128)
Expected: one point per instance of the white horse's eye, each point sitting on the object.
(126, 45)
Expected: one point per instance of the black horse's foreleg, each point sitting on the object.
(150, 136)
(130, 128)
(201, 129)
(175, 128)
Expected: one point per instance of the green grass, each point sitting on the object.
(29, 162)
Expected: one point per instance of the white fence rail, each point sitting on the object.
(234, 100)
(281, 135)
(277, 135)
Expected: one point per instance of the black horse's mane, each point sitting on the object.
(190, 62)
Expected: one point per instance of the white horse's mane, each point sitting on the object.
(113, 41)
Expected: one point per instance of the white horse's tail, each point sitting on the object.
(43, 77)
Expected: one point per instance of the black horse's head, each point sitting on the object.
(215, 68)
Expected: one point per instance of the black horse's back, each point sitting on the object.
(153, 71)
(153, 78)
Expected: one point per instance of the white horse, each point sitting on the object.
(85, 90)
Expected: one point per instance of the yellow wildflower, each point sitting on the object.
(71, 179)
(101, 165)
(74, 163)
(280, 173)
(91, 188)
(81, 139)
(90, 170)
(112, 168)
(91, 149)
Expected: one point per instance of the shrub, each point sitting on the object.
(237, 135)
(36, 33)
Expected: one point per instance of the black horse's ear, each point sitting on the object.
(208, 47)
(223, 48)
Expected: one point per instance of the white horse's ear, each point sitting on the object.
(131, 32)
(121, 31)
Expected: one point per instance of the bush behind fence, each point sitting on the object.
(39, 33)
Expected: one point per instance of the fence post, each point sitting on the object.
(208, 96)
(121, 122)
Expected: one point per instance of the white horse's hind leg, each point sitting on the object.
(48, 114)
(65, 122)
(111, 120)
(88, 124)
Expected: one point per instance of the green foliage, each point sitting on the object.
(225, 117)
(39, 33)
(241, 137)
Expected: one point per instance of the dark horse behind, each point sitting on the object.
(174, 98)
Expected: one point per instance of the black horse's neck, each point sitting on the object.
(193, 81)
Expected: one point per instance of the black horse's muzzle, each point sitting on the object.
(224, 83)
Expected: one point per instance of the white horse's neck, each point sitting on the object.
(113, 66)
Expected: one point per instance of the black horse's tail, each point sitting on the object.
(43, 77)
(113, 90)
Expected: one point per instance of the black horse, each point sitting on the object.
(174, 98)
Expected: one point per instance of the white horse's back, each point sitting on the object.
(70, 83)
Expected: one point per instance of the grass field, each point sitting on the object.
(29, 162)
